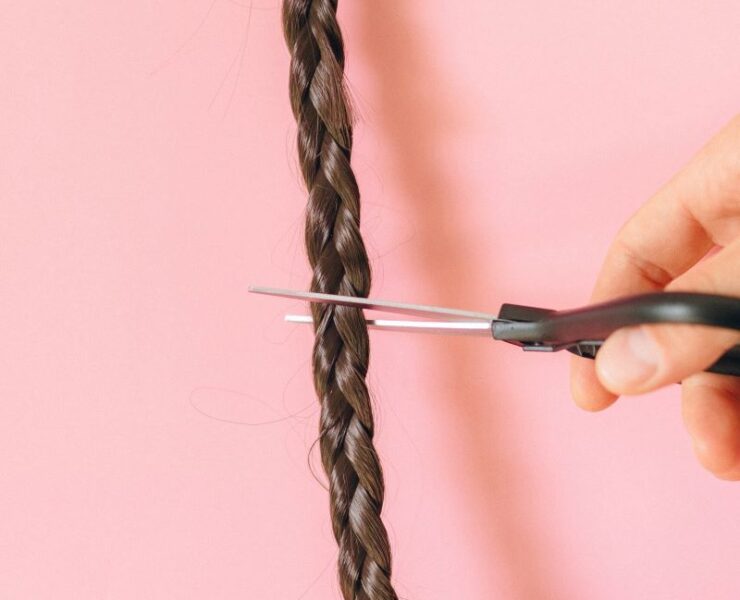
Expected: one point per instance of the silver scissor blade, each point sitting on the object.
(417, 310)
(472, 328)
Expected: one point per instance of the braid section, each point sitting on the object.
(340, 265)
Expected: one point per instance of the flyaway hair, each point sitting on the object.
(340, 265)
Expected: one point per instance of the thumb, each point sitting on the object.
(634, 360)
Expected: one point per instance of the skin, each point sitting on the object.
(661, 247)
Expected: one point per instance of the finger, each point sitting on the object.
(585, 387)
(711, 412)
(637, 262)
(695, 210)
(632, 267)
(639, 359)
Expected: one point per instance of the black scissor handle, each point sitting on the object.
(582, 330)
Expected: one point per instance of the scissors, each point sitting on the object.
(580, 331)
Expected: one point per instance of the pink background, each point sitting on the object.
(156, 419)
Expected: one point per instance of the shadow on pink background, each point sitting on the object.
(157, 421)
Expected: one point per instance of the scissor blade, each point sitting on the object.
(472, 328)
(417, 310)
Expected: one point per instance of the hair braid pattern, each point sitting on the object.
(340, 265)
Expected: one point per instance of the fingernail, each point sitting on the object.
(628, 360)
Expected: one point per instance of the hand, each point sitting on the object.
(661, 248)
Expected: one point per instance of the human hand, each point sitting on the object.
(660, 248)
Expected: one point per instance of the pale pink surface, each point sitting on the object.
(148, 176)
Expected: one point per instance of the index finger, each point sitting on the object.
(665, 238)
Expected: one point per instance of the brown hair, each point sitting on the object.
(340, 265)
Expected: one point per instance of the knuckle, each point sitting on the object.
(628, 258)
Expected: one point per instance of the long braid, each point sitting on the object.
(340, 265)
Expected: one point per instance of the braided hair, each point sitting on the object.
(340, 265)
